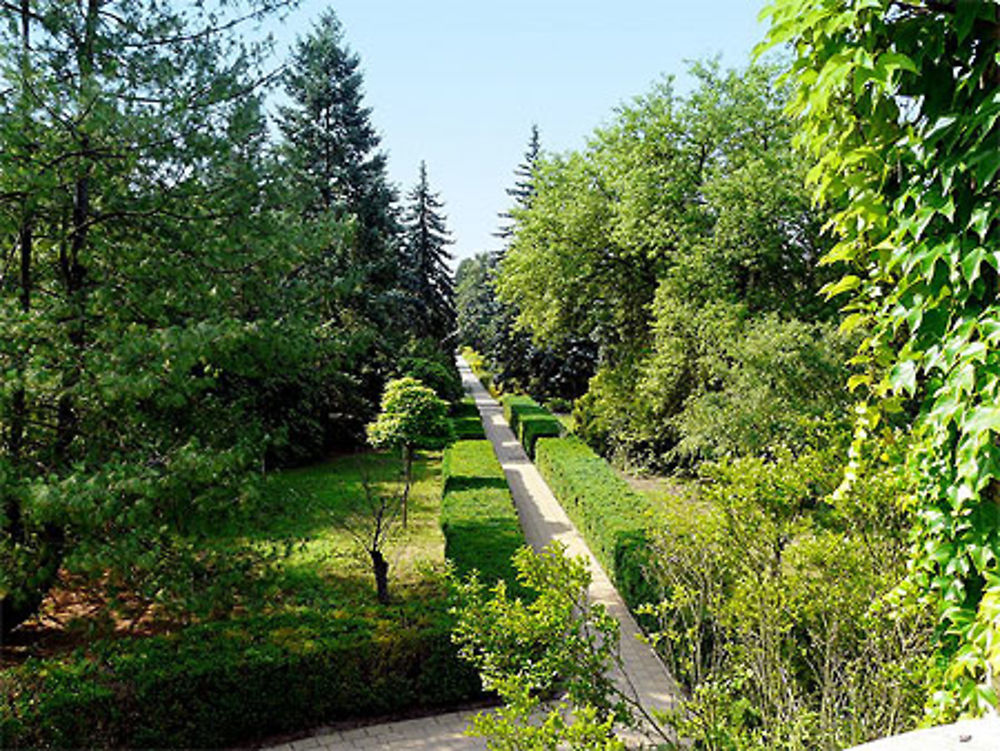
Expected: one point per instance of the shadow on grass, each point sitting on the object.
(304, 502)
(471, 482)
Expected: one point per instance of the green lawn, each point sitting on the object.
(309, 645)
(311, 510)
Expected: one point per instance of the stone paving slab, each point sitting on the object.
(543, 520)
(445, 732)
(967, 735)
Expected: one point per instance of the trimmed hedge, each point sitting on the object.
(612, 517)
(480, 523)
(466, 421)
(230, 683)
(529, 421)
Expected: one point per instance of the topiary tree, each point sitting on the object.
(412, 417)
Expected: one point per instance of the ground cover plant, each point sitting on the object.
(310, 624)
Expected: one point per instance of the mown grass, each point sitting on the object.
(308, 645)
(312, 510)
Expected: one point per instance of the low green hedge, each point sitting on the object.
(480, 523)
(466, 421)
(612, 517)
(230, 683)
(529, 421)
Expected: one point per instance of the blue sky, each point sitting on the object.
(458, 83)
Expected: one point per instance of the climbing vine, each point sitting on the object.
(899, 102)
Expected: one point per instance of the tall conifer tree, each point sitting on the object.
(523, 186)
(332, 148)
(428, 277)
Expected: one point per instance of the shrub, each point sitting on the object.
(230, 683)
(444, 380)
(478, 517)
(772, 615)
(529, 421)
(466, 421)
(610, 515)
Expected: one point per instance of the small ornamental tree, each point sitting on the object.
(412, 417)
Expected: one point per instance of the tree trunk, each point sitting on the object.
(407, 477)
(380, 567)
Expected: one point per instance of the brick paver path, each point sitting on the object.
(543, 520)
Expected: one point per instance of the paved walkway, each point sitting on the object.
(645, 678)
(542, 518)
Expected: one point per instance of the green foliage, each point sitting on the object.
(774, 614)
(528, 651)
(443, 379)
(679, 236)
(177, 315)
(229, 683)
(613, 519)
(466, 420)
(519, 363)
(412, 416)
(480, 523)
(477, 364)
(310, 627)
(475, 304)
(529, 421)
(897, 105)
(428, 276)
(335, 169)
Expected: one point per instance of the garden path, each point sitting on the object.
(543, 520)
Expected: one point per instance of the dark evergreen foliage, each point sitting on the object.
(523, 188)
(331, 147)
(428, 277)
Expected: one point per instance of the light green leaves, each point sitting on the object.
(924, 275)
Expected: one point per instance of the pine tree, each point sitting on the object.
(429, 279)
(331, 148)
(134, 212)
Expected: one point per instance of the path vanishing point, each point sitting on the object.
(543, 520)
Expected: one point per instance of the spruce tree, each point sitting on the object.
(428, 278)
(332, 149)
(523, 186)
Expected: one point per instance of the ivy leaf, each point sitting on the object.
(903, 377)
(983, 419)
(971, 263)
(845, 284)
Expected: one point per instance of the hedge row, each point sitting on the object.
(230, 683)
(466, 420)
(612, 517)
(478, 517)
(529, 421)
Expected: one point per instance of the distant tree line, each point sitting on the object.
(666, 278)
